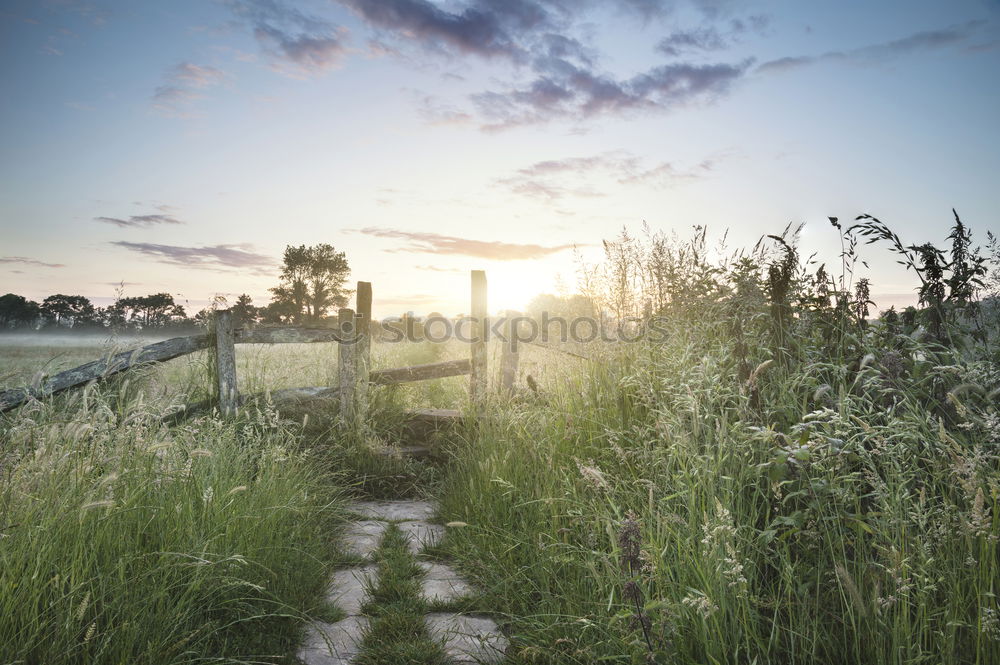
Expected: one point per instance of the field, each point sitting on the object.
(771, 481)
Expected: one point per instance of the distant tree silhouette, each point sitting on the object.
(17, 311)
(68, 311)
(312, 282)
(152, 311)
(244, 311)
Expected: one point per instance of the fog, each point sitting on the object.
(99, 340)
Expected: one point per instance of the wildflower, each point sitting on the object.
(208, 495)
(989, 623)
(700, 603)
(717, 531)
(720, 533)
(593, 476)
(629, 540)
(979, 519)
(237, 490)
(456, 524)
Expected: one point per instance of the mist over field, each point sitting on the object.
(70, 339)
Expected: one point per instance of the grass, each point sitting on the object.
(777, 480)
(126, 540)
(828, 514)
(397, 633)
(830, 527)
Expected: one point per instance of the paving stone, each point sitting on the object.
(421, 534)
(333, 643)
(442, 583)
(347, 589)
(467, 639)
(394, 510)
(362, 538)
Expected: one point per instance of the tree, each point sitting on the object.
(278, 311)
(153, 310)
(17, 311)
(312, 282)
(244, 311)
(68, 311)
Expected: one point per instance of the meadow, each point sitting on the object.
(781, 478)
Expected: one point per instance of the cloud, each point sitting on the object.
(710, 38)
(23, 260)
(179, 91)
(307, 43)
(139, 221)
(434, 243)
(700, 39)
(217, 257)
(920, 41)
(311, 54)
(545, 190)
(437, 269)
(435, 111)
(566, 90)
(197, 76)
(539, 35)
(487, 28)
(570, 164)
(553, 179)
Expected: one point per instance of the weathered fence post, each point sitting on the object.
(347, 366)
(509, 355)
(225, 362)
(477, 383)
(364, 325)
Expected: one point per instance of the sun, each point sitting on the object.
(513, 286)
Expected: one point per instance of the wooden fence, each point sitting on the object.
(352, 333)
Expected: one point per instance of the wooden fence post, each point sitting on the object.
(225, 362)
(364, 325)
(509, 356)
(347, 367)
(477, 382)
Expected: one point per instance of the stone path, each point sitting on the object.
(466, 639)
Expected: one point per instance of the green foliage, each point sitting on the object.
(127, 541)
(840, 505)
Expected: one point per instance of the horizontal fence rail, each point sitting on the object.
(285, 335)
(388, 377)
(99, 369)
(352, 334)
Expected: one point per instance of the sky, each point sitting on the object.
(179, 146)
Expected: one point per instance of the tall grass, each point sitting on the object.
(796, 502)
(125, 541)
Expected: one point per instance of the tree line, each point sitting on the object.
(310, 286)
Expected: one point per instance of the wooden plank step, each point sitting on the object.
(422, 424)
